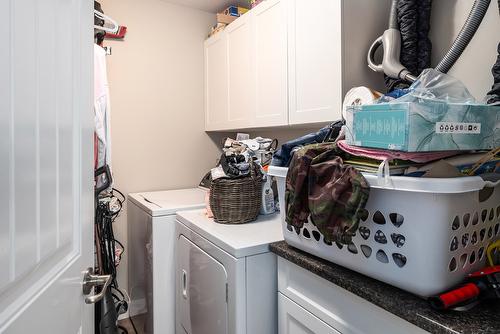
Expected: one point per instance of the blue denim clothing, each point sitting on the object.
(283, 156)
(395, 94)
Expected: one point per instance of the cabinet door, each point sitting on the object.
(240, 73)
(315, 63)
(293, 319)
(201, 290)
(216, 83)
(270, 58)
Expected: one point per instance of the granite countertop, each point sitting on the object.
(485, 318)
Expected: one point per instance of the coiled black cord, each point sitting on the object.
(106, 245)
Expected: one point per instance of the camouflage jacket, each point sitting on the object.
(319, 185)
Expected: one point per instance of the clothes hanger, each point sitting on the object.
(115, 27)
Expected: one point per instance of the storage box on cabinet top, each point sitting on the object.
(428, 125)
(235, 11)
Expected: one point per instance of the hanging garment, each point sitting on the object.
(319, 185)
(494, 93)
(102, 109)
(416, 47)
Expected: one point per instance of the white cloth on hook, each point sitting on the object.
(102, 108)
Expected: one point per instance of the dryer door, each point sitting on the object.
(202, 302)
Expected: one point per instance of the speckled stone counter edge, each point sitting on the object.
(482, 319)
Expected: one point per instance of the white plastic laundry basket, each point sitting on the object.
(422, 235)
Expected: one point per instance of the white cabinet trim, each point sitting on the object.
(292, 314)
(339, 308)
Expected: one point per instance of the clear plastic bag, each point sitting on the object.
(434, 85)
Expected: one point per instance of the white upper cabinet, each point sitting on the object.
(240, 72)
(315, 60)
(216, 83)
(270, 59)
(290, 62)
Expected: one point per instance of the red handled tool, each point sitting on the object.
(483, 284)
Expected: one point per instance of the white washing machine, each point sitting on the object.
(226, 277)
(151, 253)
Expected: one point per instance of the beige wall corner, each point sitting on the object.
(157, 107)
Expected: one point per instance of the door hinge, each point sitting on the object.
(227, 293)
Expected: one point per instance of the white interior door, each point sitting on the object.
(46, 149)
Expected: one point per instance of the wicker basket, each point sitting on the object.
(237, 201)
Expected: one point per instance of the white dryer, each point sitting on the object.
(151, 253)
(226, 277)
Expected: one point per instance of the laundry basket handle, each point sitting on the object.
(491, 180)
(490, 184)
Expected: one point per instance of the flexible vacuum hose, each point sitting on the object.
(407, 47)
(393, 16)
(470, 27)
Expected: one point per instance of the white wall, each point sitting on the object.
(474, 67)
(156, 83)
